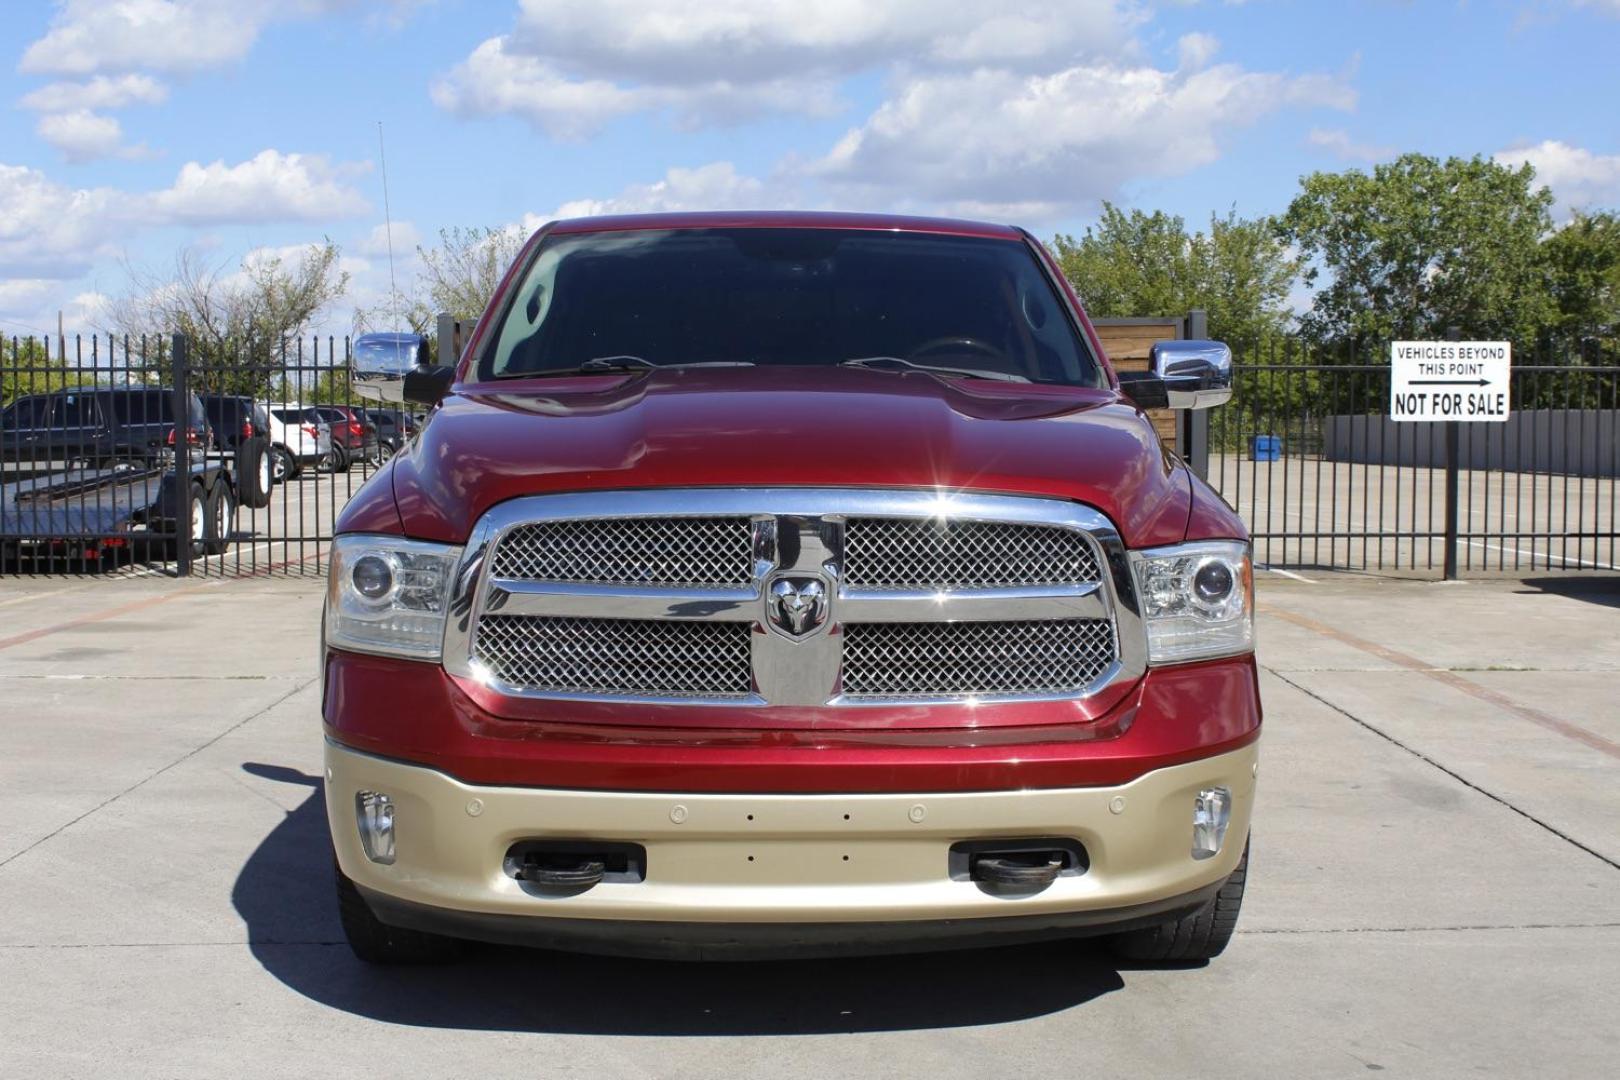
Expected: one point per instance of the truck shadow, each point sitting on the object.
(284, 894)
(1592, 588)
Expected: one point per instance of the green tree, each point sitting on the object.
(1582, 266)
(463, 271)
(1139, 264)
(458, 276)
(1420, 245)
(241, 324)
(27, 366)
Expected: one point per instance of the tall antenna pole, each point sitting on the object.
(388, 225)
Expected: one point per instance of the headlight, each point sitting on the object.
(388, 595)
(1197, 600)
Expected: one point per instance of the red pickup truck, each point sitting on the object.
(780, 584)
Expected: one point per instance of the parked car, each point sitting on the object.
(297, 442)
(791, 584)
(352, 434)
(394, 427)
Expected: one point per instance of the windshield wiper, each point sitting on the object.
(598, 365)
(900, 363)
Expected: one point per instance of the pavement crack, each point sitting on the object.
(1454, 774)
(187, 756)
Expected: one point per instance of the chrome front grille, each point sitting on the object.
(681, 552)
(794, 597)
(902, 661)
(942, 554)
(615, 657)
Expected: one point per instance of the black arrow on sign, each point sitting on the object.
(1450, 382)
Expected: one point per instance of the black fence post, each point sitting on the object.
(1452, 454)
(1195, 422)
(182, 456)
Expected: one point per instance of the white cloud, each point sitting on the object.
(101, 92)
(1194, 51)
(129, 38)
(271, 186)
(1035, 146)
(82, 135)
(177, 36)
(162, 35)
(23, 296)
(1579, 179)
(1607, 7)
(1024, 110)
(493, 81)
(570, 66)
(49, 230)
(1338, 142)
(405, 238)
(716, 186)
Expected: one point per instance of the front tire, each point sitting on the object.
(1199, 936)
(375, 942)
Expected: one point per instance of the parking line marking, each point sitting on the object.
(96, 616)
(1286, 573)
(1552, 723)
(41, 596)
(1563, 560)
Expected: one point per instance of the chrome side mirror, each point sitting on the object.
(1196, 374)
(379, 364)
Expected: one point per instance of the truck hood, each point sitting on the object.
(787, 427)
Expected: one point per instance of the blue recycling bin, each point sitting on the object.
(1265, 447)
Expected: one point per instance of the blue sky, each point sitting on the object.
(138, 128)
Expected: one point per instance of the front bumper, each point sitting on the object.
(869, 871)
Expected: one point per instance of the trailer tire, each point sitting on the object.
(219, 523)
(199, 510)
(253, 473)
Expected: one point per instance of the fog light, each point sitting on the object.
(375, 813)
(1212, 811)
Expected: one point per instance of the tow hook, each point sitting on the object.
(1017, 870)
(549, 867)
(563, 872)
(1017, 866)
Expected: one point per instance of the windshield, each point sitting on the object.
(789, 297)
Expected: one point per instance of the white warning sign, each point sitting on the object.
(1450, 380)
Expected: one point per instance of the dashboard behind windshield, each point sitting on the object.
(789, 296)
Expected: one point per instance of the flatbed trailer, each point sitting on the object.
(80, 515)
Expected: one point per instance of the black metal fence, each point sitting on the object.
(156, 454)
(127, 455)
(1308, 455)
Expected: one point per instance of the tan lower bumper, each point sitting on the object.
(784, 858)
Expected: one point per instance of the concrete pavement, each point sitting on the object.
(1435, 886)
